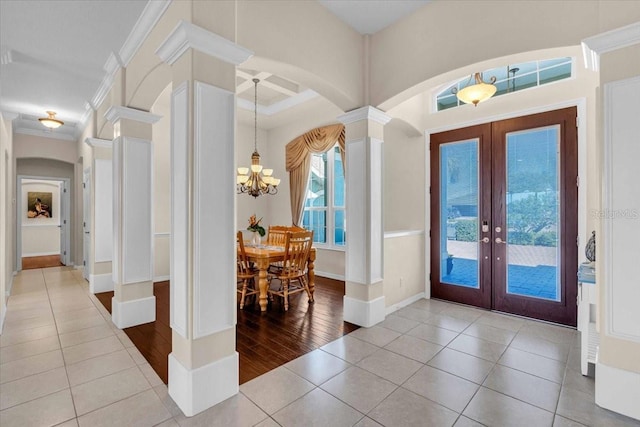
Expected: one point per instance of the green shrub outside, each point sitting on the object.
(546, 238)
(467, 230)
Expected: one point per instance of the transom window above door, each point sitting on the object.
(512, 78)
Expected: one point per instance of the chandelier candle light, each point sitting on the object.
(478, 92)
(256, 180)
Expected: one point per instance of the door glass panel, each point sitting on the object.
(459, 213)
(533, 222)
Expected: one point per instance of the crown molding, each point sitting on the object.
(277, 107)
(9, 115)
(365, 113)
(116, 113)
(45, 134)
(98, 143)
(149, 17)
(189, 36)
(594, 46)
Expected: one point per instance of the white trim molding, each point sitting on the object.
(395, 307)
(364, 313)
(594, 46)
(100, 283)
(189, 36)
(132, 313)
(118, 112)
(280, 106)
(329, 275)
(365, 113)
(148, 19)
(98, 143)
(402, 233)
(45, 134)
(195, 390)
(618, 390)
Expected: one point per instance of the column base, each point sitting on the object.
(195, 390)
(364, 313)
(618, 390)
(100, 283)
(132, 313)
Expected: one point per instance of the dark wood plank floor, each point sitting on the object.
(264, 341)
(33, 262)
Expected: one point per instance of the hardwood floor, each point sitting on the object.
(32, 262)
(264, 341)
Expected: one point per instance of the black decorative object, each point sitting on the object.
(590, 249)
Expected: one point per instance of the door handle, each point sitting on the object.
(484, 240)
(499, 240)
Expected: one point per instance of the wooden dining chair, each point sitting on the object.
(246, 284)
(277, 237)
(293, 276)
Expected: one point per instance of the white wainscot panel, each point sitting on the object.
(103, 209)
(356, 204)
(376, 263)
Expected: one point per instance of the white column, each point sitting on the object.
(100, 218)
(364, 302)
(203, 364)
(133, 302)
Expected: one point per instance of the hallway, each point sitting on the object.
(64, 363)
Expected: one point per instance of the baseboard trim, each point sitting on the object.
(364, 313)
(40, 254)
(395, 307)
(618, 390)
(100, 283)
(329, 275)
(3, 314)
(195, 390)
(134, 312)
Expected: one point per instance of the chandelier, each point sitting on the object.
(256, 180)
(51, 122)
(478, 92)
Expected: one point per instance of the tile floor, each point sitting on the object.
(62, 362)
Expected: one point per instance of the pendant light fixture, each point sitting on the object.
(477, 92)
(51, 122)
(256, 180)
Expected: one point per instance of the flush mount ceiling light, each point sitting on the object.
(256, 180)
(51, 122)
(477, 92)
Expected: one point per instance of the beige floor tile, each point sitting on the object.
(27, 349)
(526, 387)
(494, 409)
(45, 411)
(432, 305)
(124, 339)
(235, 411)
(448, 322)
(268, 422)
(390, 366)
(414, 348)
(81, 352)
(317, 366)
(501, 321)
(35, 322)
(487, 350)
(367, 422)
(565, 422)
(404, 408)
(490, 333)
(83, 313)
(461, 364)
(533, 364)
(17, 369)
(557, 334)
(398, 323)
(143, 409)
(32, 387)
(70, 423)
(466, 313)
(151, 375)
(284, 387)
(137, 357)
(81, 323)
(433, 334)
(26, 335)
(350, 349)
(416, 314)
(163, 394)
(85, 335)
(29, 312)
(98, 367)
(169, 423)
(578, 406)
(375, 335)
(575, 380)
(531, 343)
(359, 389)
(317, 408)
(466, 422)
(104, 391)
(446, 389)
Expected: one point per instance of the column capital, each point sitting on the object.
(189, 36)
(98, 142)
(117, 113)
(365, 113)
(594, 46)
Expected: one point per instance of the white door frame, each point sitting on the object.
(86, 223)
(65, 220)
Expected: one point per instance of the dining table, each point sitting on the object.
(263, 255)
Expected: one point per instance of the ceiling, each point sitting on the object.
(54, 55)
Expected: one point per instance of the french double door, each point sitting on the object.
(504, 206)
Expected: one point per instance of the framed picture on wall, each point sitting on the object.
(39, 204)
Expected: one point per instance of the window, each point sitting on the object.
(324, 205)
(512, 78)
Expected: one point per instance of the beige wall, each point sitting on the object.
(404, 270)
(40, 236)
(618, 353)
(7, 213)
(429, 42)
